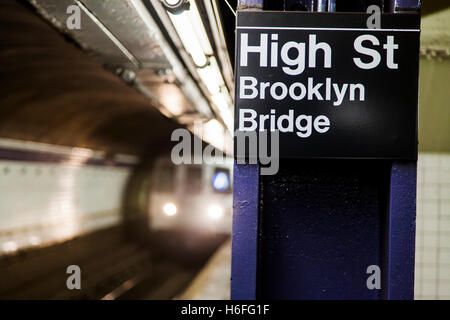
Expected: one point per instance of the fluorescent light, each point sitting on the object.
(188, 37)
(33, 240)
(192, 33)
(199, 28)
(172, 2)
(211, 76)
(223, 102)
(9, 246)
(212, 132)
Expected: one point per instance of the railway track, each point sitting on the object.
(112, 267)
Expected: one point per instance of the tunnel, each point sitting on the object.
(87, 115)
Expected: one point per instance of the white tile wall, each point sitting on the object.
(41, 203)
(432, 279)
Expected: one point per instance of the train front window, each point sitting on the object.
(193, 181)
(166, 179)
(221, 181)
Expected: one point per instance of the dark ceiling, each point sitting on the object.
(52, 91)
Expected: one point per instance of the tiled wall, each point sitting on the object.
(432, 278)
(41, 203)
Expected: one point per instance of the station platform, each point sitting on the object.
(213, 281)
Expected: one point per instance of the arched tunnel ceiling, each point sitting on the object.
(51, 91)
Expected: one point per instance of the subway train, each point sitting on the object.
(191, 197)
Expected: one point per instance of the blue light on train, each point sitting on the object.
(221, 181)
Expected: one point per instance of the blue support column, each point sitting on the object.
(401, 231)
(244, 259)
(402, 211)
(245, 232)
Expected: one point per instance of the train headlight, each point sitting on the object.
(215, 212)
(221, 181)
(170, 209)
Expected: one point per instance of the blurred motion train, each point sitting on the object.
(191, 197)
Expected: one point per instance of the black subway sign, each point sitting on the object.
(329, 85)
